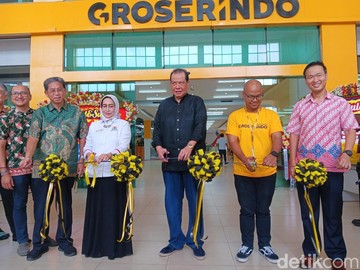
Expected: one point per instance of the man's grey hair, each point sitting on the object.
(3, 88)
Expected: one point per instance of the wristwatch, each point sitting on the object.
(348, 152)
(274, 153)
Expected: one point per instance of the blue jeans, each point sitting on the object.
(175, 184)
(255, 196)
(40, 190)
(330, 196)
(21, 191)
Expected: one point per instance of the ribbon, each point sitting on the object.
(127, 227)
(314, 239)
(91, 161)
(199, 200)
(312, 174)
(203, 167)
(127, 167)
(52, 170)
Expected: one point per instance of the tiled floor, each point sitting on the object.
(221, 212)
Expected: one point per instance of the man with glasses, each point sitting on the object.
(315, 128)
(179, 130)
(55, 129)
(13, 138)
(6, 195)
(254, 135)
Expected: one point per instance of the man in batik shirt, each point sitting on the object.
(55, 129)
(13, 138)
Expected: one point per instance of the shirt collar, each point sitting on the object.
(64, 106)
(173, 97)
(309, 97)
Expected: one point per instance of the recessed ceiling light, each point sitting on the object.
(215, 113)
(229, 89)
(148, 83)
(217, 109)
(151, 91)
(155, 98)
(226, 96)
(231, 81)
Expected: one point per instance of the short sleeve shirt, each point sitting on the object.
(319, 128)
(266, 123)
(58, 133)
(14, 129)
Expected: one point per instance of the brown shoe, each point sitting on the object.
(337, 265)
(307, 262)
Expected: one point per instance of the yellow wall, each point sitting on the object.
(339, 53)
(72, 16)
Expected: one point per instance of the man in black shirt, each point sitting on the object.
(179, 130)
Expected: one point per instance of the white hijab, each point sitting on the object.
(116, 114)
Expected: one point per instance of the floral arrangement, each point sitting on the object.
(349, 90)
(205, 166)
(85, 99)
(89, 103)
(53, 169)
(310, 172)
(126, 167)
(131, 110)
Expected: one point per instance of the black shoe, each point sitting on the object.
(167, 251)
(36, 253)
(4, 235)
(199, 253)
(356, 222)
(51, 242)
(68, 250)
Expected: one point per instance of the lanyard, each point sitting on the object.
(252, 127)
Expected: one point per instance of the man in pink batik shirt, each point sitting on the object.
(315, 128)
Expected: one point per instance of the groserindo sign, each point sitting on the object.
(164, 11)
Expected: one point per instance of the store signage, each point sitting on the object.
(354, 103)
(164, 11)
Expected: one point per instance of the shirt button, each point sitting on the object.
(177, 129)
(178, 120)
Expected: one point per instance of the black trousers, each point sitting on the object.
(329, 196)
(8, 203)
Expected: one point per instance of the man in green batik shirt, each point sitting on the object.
(55, 129)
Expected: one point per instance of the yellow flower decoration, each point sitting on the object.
(310, 172)
(205, 166)
(126, 167)
(53, 169)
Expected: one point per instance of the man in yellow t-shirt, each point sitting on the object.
(254, 135)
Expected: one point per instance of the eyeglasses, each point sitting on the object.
(178, 83)
(22, 93)
(254, 97)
